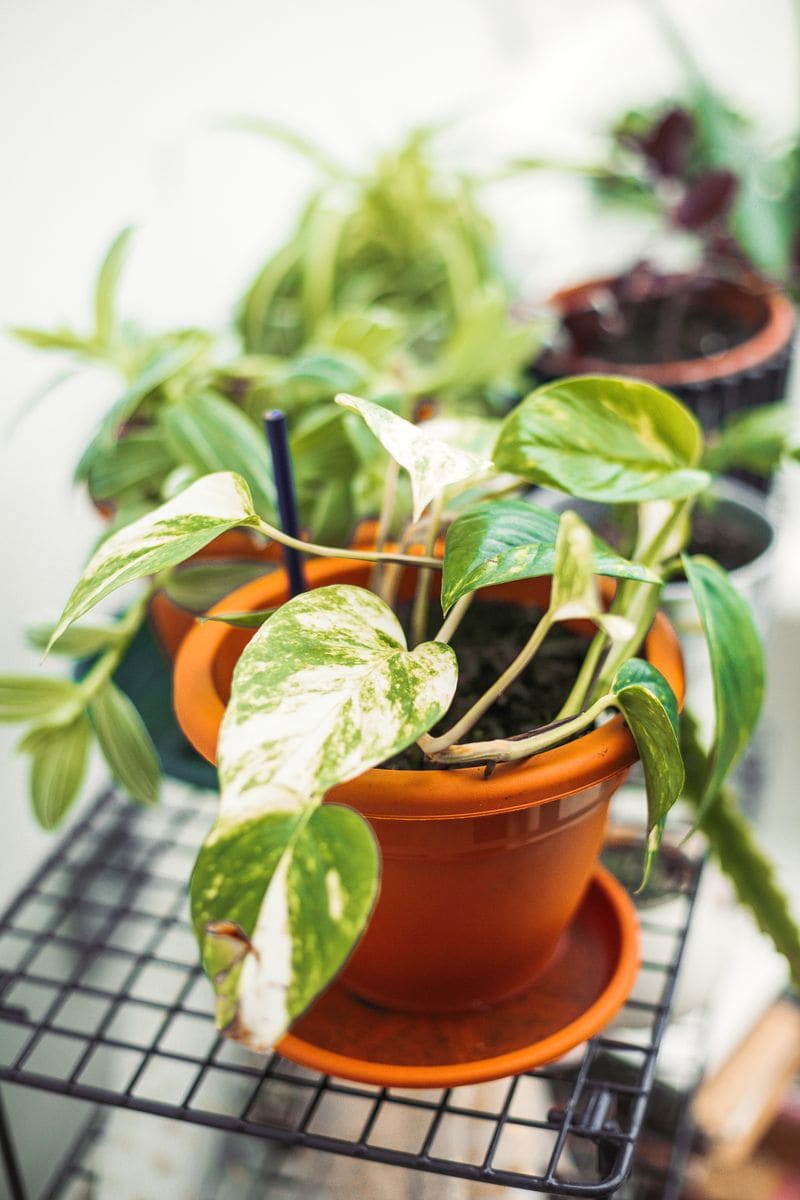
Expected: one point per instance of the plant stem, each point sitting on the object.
(419, 612)
(372, 556)
(511, 749)
(435, 745)
(129, 626)
(385, 519)
(454, 618)
(580, 688)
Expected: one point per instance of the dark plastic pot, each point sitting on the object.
(715, 386)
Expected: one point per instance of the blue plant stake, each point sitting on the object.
(275, 426)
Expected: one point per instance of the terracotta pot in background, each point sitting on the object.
(715, 386)
(480, 876)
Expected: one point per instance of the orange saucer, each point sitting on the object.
(576, 995)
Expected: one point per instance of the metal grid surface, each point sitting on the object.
(101, 998)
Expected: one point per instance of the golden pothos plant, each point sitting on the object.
(332, 684)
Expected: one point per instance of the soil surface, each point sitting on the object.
(660, 330)
(488, 639)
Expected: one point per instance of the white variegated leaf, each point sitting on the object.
(574, 594)
(278, 902)
(166, 536)
(325, 690)
(432, 464)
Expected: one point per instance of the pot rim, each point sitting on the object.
(589, 760)
(766, 342)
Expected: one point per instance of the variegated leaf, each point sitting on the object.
(651, 711)
(326, 689)
(432, 464)
(514, 539)
(278, 902)
(574, 592)
(162, 538)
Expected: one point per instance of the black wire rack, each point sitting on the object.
(101, 999)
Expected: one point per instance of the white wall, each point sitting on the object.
(108, 118)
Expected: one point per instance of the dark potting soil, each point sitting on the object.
(660, 330)
(728, 544)
(487, 641)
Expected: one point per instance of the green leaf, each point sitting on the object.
(253, 619)
(604, 439)
(514, 539)
(30, 697)
(82, 641)
(107, 281)
(732, 842)
(130, 463)
(211, 434)
(166, 363)
(433, 465)
(324, 690)
(201, 585)
(651, 711)
(737, 666)
(56, 339)
(162, 538)
(59, 755)
(278, 902)
(126, 745)
(755, 441)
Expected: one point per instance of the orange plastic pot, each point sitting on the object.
(480, 877)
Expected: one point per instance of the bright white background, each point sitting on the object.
(112, 115)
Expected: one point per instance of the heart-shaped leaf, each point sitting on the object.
(737, 667)
(432, 464)
(651, 710)
(278, 902)
(324, 690)
(162, 538)
(604, 439)
(514, 539)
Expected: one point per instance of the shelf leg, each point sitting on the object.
(10, 1161)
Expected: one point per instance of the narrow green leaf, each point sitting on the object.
(126, 745)
(755, 441)
(29, 697)
(166, 363)
(59, 755)
(278, 902)
(107, 281)
(211, 434)
(130, 463)
(82, 641)
(162, 538)
(737, 666)
(514, 539)
(651, 711)
(201, 585)
(56, 339)
(326, 689)
(242, 620)
(603, 438)
(433, 465)
(733, 843)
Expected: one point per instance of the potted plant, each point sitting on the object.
(327, 689)
(718, 334)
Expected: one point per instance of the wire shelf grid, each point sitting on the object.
(101, 998)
